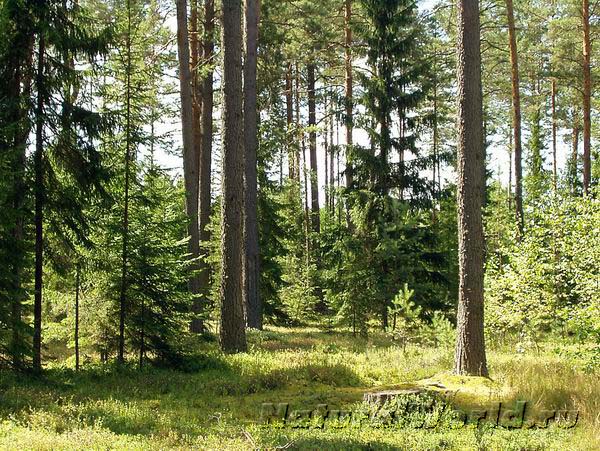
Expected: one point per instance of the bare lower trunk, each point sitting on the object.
(470, 356)
(252, 299)
(191, 161)
(233, 334)
(204, 195)
(198, 302)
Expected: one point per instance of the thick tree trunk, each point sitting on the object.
(587, 99)
(205, 159)
(233, 333)
(252, 299)
(516, 113)
(470, 356)
(39, 206)
(312, 139)
(191, 160)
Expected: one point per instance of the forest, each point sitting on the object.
(299, 224)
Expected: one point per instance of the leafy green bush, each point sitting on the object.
(549, 281)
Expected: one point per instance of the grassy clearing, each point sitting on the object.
(218, 407)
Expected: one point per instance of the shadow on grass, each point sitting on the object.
(154, 401)
(319, 444)
(313, 338)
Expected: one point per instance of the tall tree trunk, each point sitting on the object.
(312, 138)
(233, 333)
(195, 51)
(252, 299)
(300, 133)
(198, 303)
(348, 100)
(331, 163)
(320, 307)
(128, 157)
(554, 130)
(39, 205)
(77, 288)
(587, 99)
(470, 356)
(191, 159)
(306, 207)
(205, 159)
(302, 169)
(289, 110)
(516, 113)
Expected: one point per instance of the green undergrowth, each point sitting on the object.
(218, 406)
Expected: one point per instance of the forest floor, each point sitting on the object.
(219, 406)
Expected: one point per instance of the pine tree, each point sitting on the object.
(233, 334)
(191, 158)
(516, 125)
(470, 358)
(252, 299)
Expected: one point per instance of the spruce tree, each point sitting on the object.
(16, 49)
(67, 167)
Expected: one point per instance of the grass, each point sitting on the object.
(218, 407)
